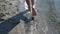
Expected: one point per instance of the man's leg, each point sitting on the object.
(34, 8)
(28, 3)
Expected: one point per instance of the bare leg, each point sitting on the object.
(34, 8)
(28, 3)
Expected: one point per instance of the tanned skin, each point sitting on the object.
(33, 6)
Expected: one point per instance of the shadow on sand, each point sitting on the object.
(9, 24)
